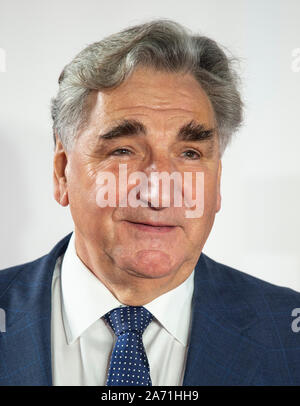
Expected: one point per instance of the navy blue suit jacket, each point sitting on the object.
(241, 330)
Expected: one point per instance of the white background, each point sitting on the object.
(257, 230)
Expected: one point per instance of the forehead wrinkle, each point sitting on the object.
(156, 109)
(178, 113)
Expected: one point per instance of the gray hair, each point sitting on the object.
(161, 44)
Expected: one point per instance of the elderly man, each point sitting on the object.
(129, 298)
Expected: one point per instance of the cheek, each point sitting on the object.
(120, 186)
(200, 193)
(202, 216)
(211, 191)
(82, 193)
(87, 215)
(83, 185)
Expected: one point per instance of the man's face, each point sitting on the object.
(138, 124)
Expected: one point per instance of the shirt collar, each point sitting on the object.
(173, 309)
(86, 299)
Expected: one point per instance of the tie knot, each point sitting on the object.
(128, 318)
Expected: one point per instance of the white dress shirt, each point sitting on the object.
(82, 343)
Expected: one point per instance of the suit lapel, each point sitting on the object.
(26, 344)
(219, 351)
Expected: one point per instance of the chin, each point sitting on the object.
(151, 264)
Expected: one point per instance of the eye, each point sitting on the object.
(121, 151)
(191, 154)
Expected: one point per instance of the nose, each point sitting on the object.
(164, 184)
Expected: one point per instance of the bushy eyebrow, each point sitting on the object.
(192, 131)
(123, 129)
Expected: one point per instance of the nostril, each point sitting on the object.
(155, 207)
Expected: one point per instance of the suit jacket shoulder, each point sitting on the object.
(254, 290)
(25, 297)
(241, 293)
(242, 328)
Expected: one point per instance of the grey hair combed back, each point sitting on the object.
(163, 45)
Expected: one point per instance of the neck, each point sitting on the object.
(129, 287)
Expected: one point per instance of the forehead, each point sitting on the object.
(149, 93)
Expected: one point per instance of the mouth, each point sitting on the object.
(156, 227)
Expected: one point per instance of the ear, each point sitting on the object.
(59, 174)
(218, 206)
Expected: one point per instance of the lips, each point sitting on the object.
(161, 227)
(153, 223)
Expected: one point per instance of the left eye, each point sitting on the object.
(190, 154)
(121, 151)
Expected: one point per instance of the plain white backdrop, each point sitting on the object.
(257, 229)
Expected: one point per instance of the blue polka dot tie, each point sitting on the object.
(129, 364)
